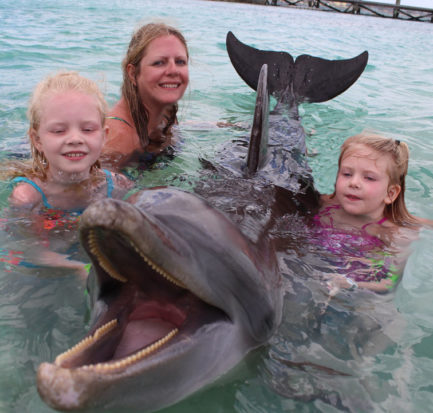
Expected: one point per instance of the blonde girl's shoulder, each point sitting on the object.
(402, 236)
(24, 195)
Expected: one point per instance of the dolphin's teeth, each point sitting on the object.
(123, 363)
(108, 267)
(157, 268)
(118, 364)
(87, 342)
(103, 262)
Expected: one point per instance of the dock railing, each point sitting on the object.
(370, 8)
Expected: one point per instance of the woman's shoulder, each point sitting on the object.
(122, 136)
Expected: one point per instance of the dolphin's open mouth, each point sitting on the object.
(146, 307)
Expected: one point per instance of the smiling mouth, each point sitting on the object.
(74, 154)
(170, 85)
(352, 198)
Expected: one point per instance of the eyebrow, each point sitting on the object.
(351, 168)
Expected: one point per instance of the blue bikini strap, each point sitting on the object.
(34, 185)
(18, 179)
(110, 184)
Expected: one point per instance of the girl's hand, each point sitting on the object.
(338, 282)
(55, 259)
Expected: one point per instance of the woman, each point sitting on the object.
(155, 77)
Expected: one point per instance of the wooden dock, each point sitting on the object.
(366, 8)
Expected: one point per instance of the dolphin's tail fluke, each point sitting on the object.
(308, 78)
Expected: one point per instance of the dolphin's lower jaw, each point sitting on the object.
(159, 330)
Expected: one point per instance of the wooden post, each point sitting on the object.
(356, 8)
(396, 9)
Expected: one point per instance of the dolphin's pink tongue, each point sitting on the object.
(139, 334)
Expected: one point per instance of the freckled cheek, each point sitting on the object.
(185, 76)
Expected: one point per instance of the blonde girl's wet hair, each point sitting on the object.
(54, 84)
(137, 49)
(398, 152)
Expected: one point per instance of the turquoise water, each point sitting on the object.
(42, 312)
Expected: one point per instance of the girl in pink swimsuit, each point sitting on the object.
(364, 224)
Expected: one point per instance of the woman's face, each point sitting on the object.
(162, 76)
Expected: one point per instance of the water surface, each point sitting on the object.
(382, 344)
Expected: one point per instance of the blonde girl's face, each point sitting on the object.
(70, 134)
(363, 184)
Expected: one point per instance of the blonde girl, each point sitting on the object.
(366, 216)
(67, 131)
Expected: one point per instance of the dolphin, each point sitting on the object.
(182, 297)
(185, 284)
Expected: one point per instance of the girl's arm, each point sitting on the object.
(385, 285)
(387, 268)
(24, 200)
(426, 222)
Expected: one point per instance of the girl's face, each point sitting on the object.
(163, 75)
(362, 186)
(70, 134)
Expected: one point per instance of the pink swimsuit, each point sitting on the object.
(346, 245)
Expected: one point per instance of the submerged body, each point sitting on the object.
(184, 291)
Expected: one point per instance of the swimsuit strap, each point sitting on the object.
(326, 212)
(380, 222)
(117, 118)
(34, 185)
(110, 183)
(18, 179)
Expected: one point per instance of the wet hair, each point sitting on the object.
(398, 153)
(54, 84)
(137, 49)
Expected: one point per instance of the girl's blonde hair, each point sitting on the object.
(398, 152)
(137, 49)
(57, 83)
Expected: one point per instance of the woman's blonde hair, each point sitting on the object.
(398, 152)
(137, 49)
(53, 84)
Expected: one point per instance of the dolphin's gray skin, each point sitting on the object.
(191, 289)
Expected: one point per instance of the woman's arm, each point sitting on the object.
(122, 185)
